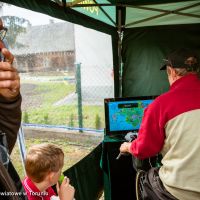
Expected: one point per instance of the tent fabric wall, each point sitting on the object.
(87, 177)
(143, 52)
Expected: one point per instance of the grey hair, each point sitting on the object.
(185, 71)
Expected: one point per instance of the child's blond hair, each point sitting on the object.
(42, 159)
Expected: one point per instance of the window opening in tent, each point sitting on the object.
(47, 61)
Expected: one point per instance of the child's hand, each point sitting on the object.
(65, 190)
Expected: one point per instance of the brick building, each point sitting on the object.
(46, 48)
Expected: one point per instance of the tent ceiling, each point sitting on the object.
(151, 14)
(137, 13)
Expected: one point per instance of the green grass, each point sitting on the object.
(47, 113)
(54, 91)
(61, 115)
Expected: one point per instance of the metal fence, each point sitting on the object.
(62, 99)
(56, 91)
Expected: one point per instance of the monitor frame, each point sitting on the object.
(120, 99)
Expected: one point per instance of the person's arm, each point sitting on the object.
(10, 99)
(151, 134)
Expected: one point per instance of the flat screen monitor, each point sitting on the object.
(123, 115)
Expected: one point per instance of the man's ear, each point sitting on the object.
(171, 72)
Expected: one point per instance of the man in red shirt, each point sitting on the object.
(171, 126)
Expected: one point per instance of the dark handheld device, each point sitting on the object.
(145, 164)
(129, 137)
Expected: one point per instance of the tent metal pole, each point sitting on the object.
(120, 50)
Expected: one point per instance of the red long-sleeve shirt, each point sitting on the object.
(183, 96)
(33, 193)
(171, 125)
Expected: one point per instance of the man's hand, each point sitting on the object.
(125, 147)
(65, 191)
(9, 78)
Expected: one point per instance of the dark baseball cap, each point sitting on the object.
(182, 58)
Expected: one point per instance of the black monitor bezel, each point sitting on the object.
(117, 99)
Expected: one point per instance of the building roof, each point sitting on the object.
(44, 38)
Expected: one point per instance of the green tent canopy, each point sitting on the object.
(132, 13)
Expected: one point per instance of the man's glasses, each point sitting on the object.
(3, 32)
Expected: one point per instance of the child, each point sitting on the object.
(43, 166)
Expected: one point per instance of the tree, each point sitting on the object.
(15, 25)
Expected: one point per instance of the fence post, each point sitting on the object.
(22, 147)
(79, 94)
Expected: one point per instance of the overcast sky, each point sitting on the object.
(34, 17)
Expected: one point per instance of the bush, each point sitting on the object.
(97, 122)
(46, 119)
(71, 120)
(25, 117)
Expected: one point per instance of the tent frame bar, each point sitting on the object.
(160, 10)
(89, 5)
(106, 14)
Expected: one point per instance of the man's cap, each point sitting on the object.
(182, 58)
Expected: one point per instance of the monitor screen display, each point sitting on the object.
(124, 114)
